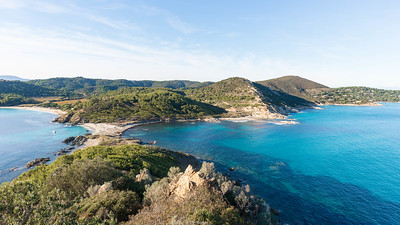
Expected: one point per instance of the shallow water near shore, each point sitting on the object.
(26, 135)
(340, 165)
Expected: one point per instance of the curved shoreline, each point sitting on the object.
(35, 108)
(117, 129)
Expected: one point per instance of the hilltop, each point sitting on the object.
(241, 97)
(295, 85)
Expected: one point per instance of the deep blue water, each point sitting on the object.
(340, 165)
(26, 135)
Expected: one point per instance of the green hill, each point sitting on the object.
(138, 104)
(357, 95)
(14, 99)
(25, 89)
(241, 97)
(86, 86)
(295, 85)
(17, 92)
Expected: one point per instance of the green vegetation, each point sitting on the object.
(148, 100)
(232, 92)
(17, 92)
(57, 193)
(294, 85)
(240, 93)
(24, 89)
(139, 104)
(357, 95)
(128, 183)
(86, 87)
(14, 99)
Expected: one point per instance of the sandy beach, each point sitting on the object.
(35, 108)
(94, 128)
(106, 129)
(117, 129)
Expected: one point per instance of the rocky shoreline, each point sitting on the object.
(117, 129)
(111, 132)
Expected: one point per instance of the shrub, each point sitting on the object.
(76, 178)
(110, 204)
(207, 171)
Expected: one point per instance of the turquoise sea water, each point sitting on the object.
(26, 135)
(340, 165)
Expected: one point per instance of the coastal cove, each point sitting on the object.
(27, 134)
(339, 165)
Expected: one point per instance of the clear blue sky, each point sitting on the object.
(335, 42)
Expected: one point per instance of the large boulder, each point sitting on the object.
(187, 182)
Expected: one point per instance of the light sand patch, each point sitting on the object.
(35, 108)
(105, 128)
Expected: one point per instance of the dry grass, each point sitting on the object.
(43, 99)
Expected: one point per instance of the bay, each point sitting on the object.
(26, 135)
(340, 165)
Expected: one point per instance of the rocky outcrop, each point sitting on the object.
(12, 169)
(212, 120)
(144, 176)
(187, 182)
(37, 162)
(64, 151)
(72, 118)
(188, 189)
(98, 189)
(78, 140)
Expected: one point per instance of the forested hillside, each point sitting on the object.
(138, 104)
(14, 99)
(86, 86)
(18, 92)
(357, 95)
(239, 96)
(25, 89)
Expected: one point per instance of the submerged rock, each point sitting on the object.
(63, 151)
(37, 162)
(12, 169)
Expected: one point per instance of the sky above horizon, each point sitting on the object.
(334, 42)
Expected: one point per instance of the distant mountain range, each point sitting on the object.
(233, 97)
(8, 77)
